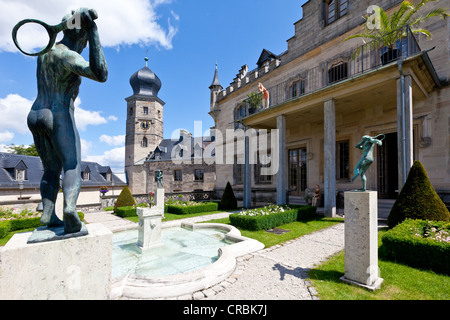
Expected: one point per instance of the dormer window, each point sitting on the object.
(85, 176)
(335, 9)
(20, 175)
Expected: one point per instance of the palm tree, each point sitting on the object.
(395, 27)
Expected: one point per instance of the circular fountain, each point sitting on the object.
(176, 259)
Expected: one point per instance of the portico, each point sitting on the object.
(321, 128)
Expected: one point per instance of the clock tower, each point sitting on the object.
(144, 127)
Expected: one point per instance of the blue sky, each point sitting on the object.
(183, 40)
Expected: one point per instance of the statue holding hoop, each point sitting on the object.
(60, 68)
(367, 144)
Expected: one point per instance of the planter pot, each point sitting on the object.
(390, 55)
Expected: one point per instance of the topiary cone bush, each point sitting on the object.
(228, 201)
(125, 199)
(418, 199)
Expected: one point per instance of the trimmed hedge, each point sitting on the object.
(228, 200)
(21, 224)
(204, 207)
(125, 199)
(305, 212)
(418, 199)
(405, 244)
(125, 212)
(263, 222)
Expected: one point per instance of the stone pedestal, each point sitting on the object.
(361, 239)
(149, 231)
(159, 199)
(71, 269)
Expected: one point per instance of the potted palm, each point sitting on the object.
(254, 101)
(391, 30)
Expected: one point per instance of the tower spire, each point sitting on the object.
(216, 82)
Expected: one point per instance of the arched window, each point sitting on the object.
(335, 9)
(144, 143)
(239, 113)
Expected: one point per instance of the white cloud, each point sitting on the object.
(85, 147)
(114, 158)
(84, 118)
(113, 140)
(6, 136)
(14, 110)
(119, 23)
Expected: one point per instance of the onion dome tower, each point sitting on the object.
(144, 127)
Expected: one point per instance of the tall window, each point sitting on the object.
(298, 170)
(238, 171)
(145, 110)
(265, 163)
(342, 160)
(239, 113)
(335, 9)
(177, 175)
(144, 142)
(198, 174)
(338, 72)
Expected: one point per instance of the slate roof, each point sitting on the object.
(35, 170)
(166, 147)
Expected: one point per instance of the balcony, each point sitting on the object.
(354, 62)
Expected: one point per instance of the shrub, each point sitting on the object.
(304, 212)
(190, 209)
(417, 200)
(419, 243)
(264, 218)
(228, 201)
(125, 212)
(125, 199)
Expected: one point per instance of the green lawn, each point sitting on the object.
(401, 282)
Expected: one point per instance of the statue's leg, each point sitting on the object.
(69, 149)
(49, 186)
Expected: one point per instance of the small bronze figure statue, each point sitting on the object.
(367, 144)
(51, 119)
(159, 179)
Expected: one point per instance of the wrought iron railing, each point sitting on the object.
(349, 64)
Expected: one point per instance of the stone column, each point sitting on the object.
(404, 128)
(329, 158)
(247, 172)
(282, 160)
(361, 239)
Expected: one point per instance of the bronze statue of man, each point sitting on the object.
(51, 119)
(367, 144)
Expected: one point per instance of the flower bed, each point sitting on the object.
(419, 243)
(264, 218)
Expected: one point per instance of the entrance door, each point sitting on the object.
(388, 167)
(297, 171)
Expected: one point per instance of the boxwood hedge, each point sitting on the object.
(203, 207)
(411, 242)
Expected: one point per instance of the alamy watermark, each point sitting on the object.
(231, 146)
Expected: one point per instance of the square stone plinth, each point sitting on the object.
(71, 269)
(361, 239)
(149, 230)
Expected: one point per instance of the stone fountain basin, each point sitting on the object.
(133, 286)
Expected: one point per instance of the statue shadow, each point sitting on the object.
(303, 273)
(298, 272)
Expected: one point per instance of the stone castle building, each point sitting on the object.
(323, 98)
(182, 160)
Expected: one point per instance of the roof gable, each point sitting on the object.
(266, 55)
